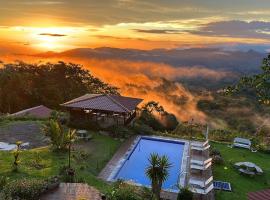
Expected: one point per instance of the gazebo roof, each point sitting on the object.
(105, 102)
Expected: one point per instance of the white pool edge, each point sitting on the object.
(183, 171)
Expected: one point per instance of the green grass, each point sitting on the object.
(99, 150)
(241, 184)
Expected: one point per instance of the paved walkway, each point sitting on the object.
(73, 191)
(106, 172)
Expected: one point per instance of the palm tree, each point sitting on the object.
(157, 172)
(59, 136)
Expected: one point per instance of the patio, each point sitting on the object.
(72, 191)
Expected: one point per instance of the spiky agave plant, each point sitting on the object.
(157, 172)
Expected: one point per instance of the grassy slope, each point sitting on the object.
(103, 148)
(241, 184)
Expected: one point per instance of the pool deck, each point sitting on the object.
(112, 164)
(117, 160)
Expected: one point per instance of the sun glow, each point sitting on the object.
(45, 38)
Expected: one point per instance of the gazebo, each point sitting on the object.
(104, 109)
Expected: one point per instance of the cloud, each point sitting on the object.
(158, 31)
(53, 34)
(118, 38)
(237, 29)
(41, 2)
(147, 80)
(4, 27)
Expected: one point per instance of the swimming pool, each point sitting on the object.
(133, 166)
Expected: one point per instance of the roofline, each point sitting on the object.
(98, 95)
(71, 101)
(27, 110)
(81, 108)
(118, 103)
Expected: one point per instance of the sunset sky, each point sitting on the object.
(58, 25)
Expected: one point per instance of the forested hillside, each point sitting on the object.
(23, 85)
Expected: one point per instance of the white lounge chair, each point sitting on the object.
(200, 144)
(242, 142)
(193, 181)
(200, 160)
(200, 167)
(202, 191)
(204, 148)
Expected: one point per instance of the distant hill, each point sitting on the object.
(239, 62)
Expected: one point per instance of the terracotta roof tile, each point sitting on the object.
(106, 102)
(38, 111)
(259, 195)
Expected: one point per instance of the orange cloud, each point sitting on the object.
(150, 81)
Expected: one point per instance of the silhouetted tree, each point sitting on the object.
(259, 83)
(24, 85)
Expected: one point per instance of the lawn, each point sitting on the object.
(88, 158)
(241, 184)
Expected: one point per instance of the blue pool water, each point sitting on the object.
(135, 165)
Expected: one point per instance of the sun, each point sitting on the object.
(52, 38)
(49, 43)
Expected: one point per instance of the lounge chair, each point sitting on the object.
(202, 191)
(200, 144)
(242, 143)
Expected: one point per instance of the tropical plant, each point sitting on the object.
(157, 172)
(16, 153)
(59, 136)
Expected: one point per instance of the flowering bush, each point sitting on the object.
(27, 189)
(24, 189)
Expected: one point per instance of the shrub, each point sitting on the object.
(141, 128)
(217, 159)
(24, 189)
(3, 182)
(122, 191)
(214, 152)
(68, 175)
(120, 131)
(185, 194)
(37, 162)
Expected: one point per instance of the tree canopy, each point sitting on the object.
(155, 116)
(259, 83)
(23, 85)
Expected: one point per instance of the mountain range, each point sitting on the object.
(238, 62)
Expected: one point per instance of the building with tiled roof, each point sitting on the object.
(105, 109)
(37, 111)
